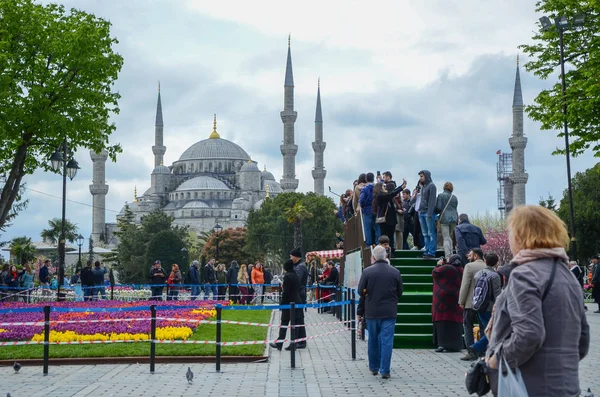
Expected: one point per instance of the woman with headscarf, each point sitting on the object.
(446, 313)
(290, 293)
(540, 325)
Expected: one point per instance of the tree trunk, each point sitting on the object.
(10, 191)
(298, 234)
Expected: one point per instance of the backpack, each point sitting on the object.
(483, 292)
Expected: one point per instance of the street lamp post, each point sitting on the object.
(79, 243)
(68, 168)
(562, 24)
(217, 230)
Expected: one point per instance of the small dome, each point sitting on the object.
(274, 187)
(196, 204)
(249, 166)
(266, 175)
(202, 183)
(161, 169)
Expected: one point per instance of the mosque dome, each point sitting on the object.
(161, 169)
(266, 175)
(196, 204)
(249, 166)
(214, 148)
(202, 183)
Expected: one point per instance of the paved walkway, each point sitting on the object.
(324, 369)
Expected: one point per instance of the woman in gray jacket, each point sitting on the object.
(539, 323)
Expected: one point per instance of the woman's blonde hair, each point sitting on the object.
(533, 226)
(243, 269)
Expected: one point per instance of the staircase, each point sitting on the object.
(414, 328)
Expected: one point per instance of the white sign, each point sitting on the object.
(352, 269)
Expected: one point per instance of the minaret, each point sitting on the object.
(318, 145)
(517, 143)
(289, 183)
(98, 189)
(158, 149)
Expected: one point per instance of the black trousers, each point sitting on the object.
(298, 320)
(390, 231)
(234, 293)
(417, 236)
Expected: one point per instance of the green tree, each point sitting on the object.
(232, 246)
(296, 215)
(269, 231)
(586, 196)
(134, 241)
(549, 203)
(582, 52)
(58, 71)
(166, 246)
(22, 249)
(52, 233)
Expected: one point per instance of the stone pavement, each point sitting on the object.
(324, 369)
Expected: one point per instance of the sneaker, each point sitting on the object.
(597, 311)
(375, 373)
(440, 349)
(385, 376)
(470, 356)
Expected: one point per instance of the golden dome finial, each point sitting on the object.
(289, 40)
(214, 134)
(135, 200)
(267, 190)
(265, 168)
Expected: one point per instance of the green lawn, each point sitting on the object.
(230, 333)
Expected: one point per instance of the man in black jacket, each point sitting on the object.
(210, 279)
(468, 236)
(232, 274)
(158, 278)
(195, 280)
(87, 281)
(301, 271)
(290, 293)
(381, 286)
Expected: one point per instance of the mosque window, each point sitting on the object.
(220, 166)
(201, 167)
(220, 213)
(195, 195)
(192, 167)
(235, 216)
(203, 195)
(192, 213)
(210, 167)
(189, 195)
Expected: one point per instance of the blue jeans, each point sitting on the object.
(381, 342)
(371, 228)
(429, 233)
(481, 345)
(208, 288)
(195, 292)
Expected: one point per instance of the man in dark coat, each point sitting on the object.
(596, 281)
(301, 271)
(210, 279)
(158, 278)
(468, 236)
(290, 293)
(195, 279)
(232, 274)
(87, 281)
(381, 285)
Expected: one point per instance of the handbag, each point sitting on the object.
(510, 384)
(381, 219)
(477, 380)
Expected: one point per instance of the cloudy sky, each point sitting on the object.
(406, 85)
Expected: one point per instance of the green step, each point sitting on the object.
(413, 307)
(418, 287)
(417, 278)
(425, 269)
(416, 297)
(413, 318)
(413, 341)
(414, 254)
(414, 262)
(414, 328)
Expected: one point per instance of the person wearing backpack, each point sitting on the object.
(488, 286)
(465, 298)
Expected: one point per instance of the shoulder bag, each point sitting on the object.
(381, 219)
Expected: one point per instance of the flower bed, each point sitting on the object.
(122, 328)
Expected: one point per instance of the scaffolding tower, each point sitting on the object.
(504, 168)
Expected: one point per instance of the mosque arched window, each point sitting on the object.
(192, 213)
(200, 167)
(203, 195)
(191, 167)
(189, 195)
(220, 166)
(195, 195)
